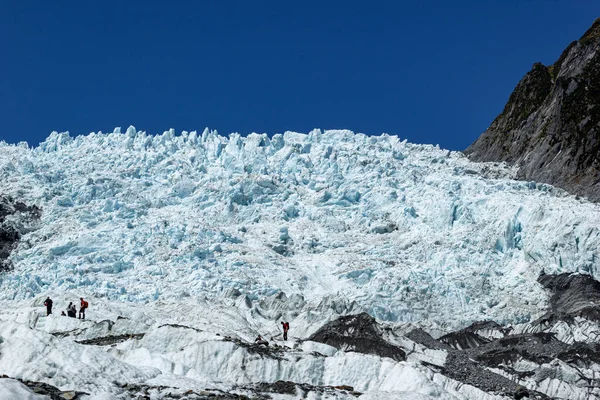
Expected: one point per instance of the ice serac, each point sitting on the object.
(550, 126)
(372, 224)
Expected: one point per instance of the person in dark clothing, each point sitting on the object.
(259, 340)
(71, 310)
(48, 304)
(286, 328)
(82, 308)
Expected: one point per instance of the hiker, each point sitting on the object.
(82, 307)
(286, 328)
(62, 314)
(72, 310)
(48, 304)
(259, 340)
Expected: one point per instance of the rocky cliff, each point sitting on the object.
(16, 218)
(550, 126)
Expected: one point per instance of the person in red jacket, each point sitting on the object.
(286, 328)
(82, 307)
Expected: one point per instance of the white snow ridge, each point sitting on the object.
(189, 246)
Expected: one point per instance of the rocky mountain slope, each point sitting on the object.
(550, 126)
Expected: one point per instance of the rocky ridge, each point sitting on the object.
(16, 218)
(550, 126)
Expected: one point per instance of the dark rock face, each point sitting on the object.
(550, 125)
(16, 218)
(358, 333)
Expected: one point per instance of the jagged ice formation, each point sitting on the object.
(404, 232)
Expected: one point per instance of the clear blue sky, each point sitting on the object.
(429, 71)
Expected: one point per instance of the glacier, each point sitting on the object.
(231, 234)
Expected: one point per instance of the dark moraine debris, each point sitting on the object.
(45, 389)
(536, 347)
(472, 336)
(470, 366)
(301, 389)
(110, 340)
(180, 326)
(581, 354)
(272, 350)
(573, 295)
(147, 392)
(16, 219)
(418, 335)
(461, 367)
(463, 340)
(491, 357)
(359, 333)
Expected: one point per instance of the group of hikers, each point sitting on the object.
(71, 309)
(286, 327)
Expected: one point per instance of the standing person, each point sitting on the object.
(82, 307)
(286, 328)
(48, 304)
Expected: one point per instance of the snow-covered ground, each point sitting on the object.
(192, 346)
(231, 235)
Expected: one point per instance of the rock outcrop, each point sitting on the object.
(556, 356)
(550, 126)
(16, 218)
(359, 333)
(573, 296)
(51, 392)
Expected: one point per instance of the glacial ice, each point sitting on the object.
(227, 235)
(409, 232)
